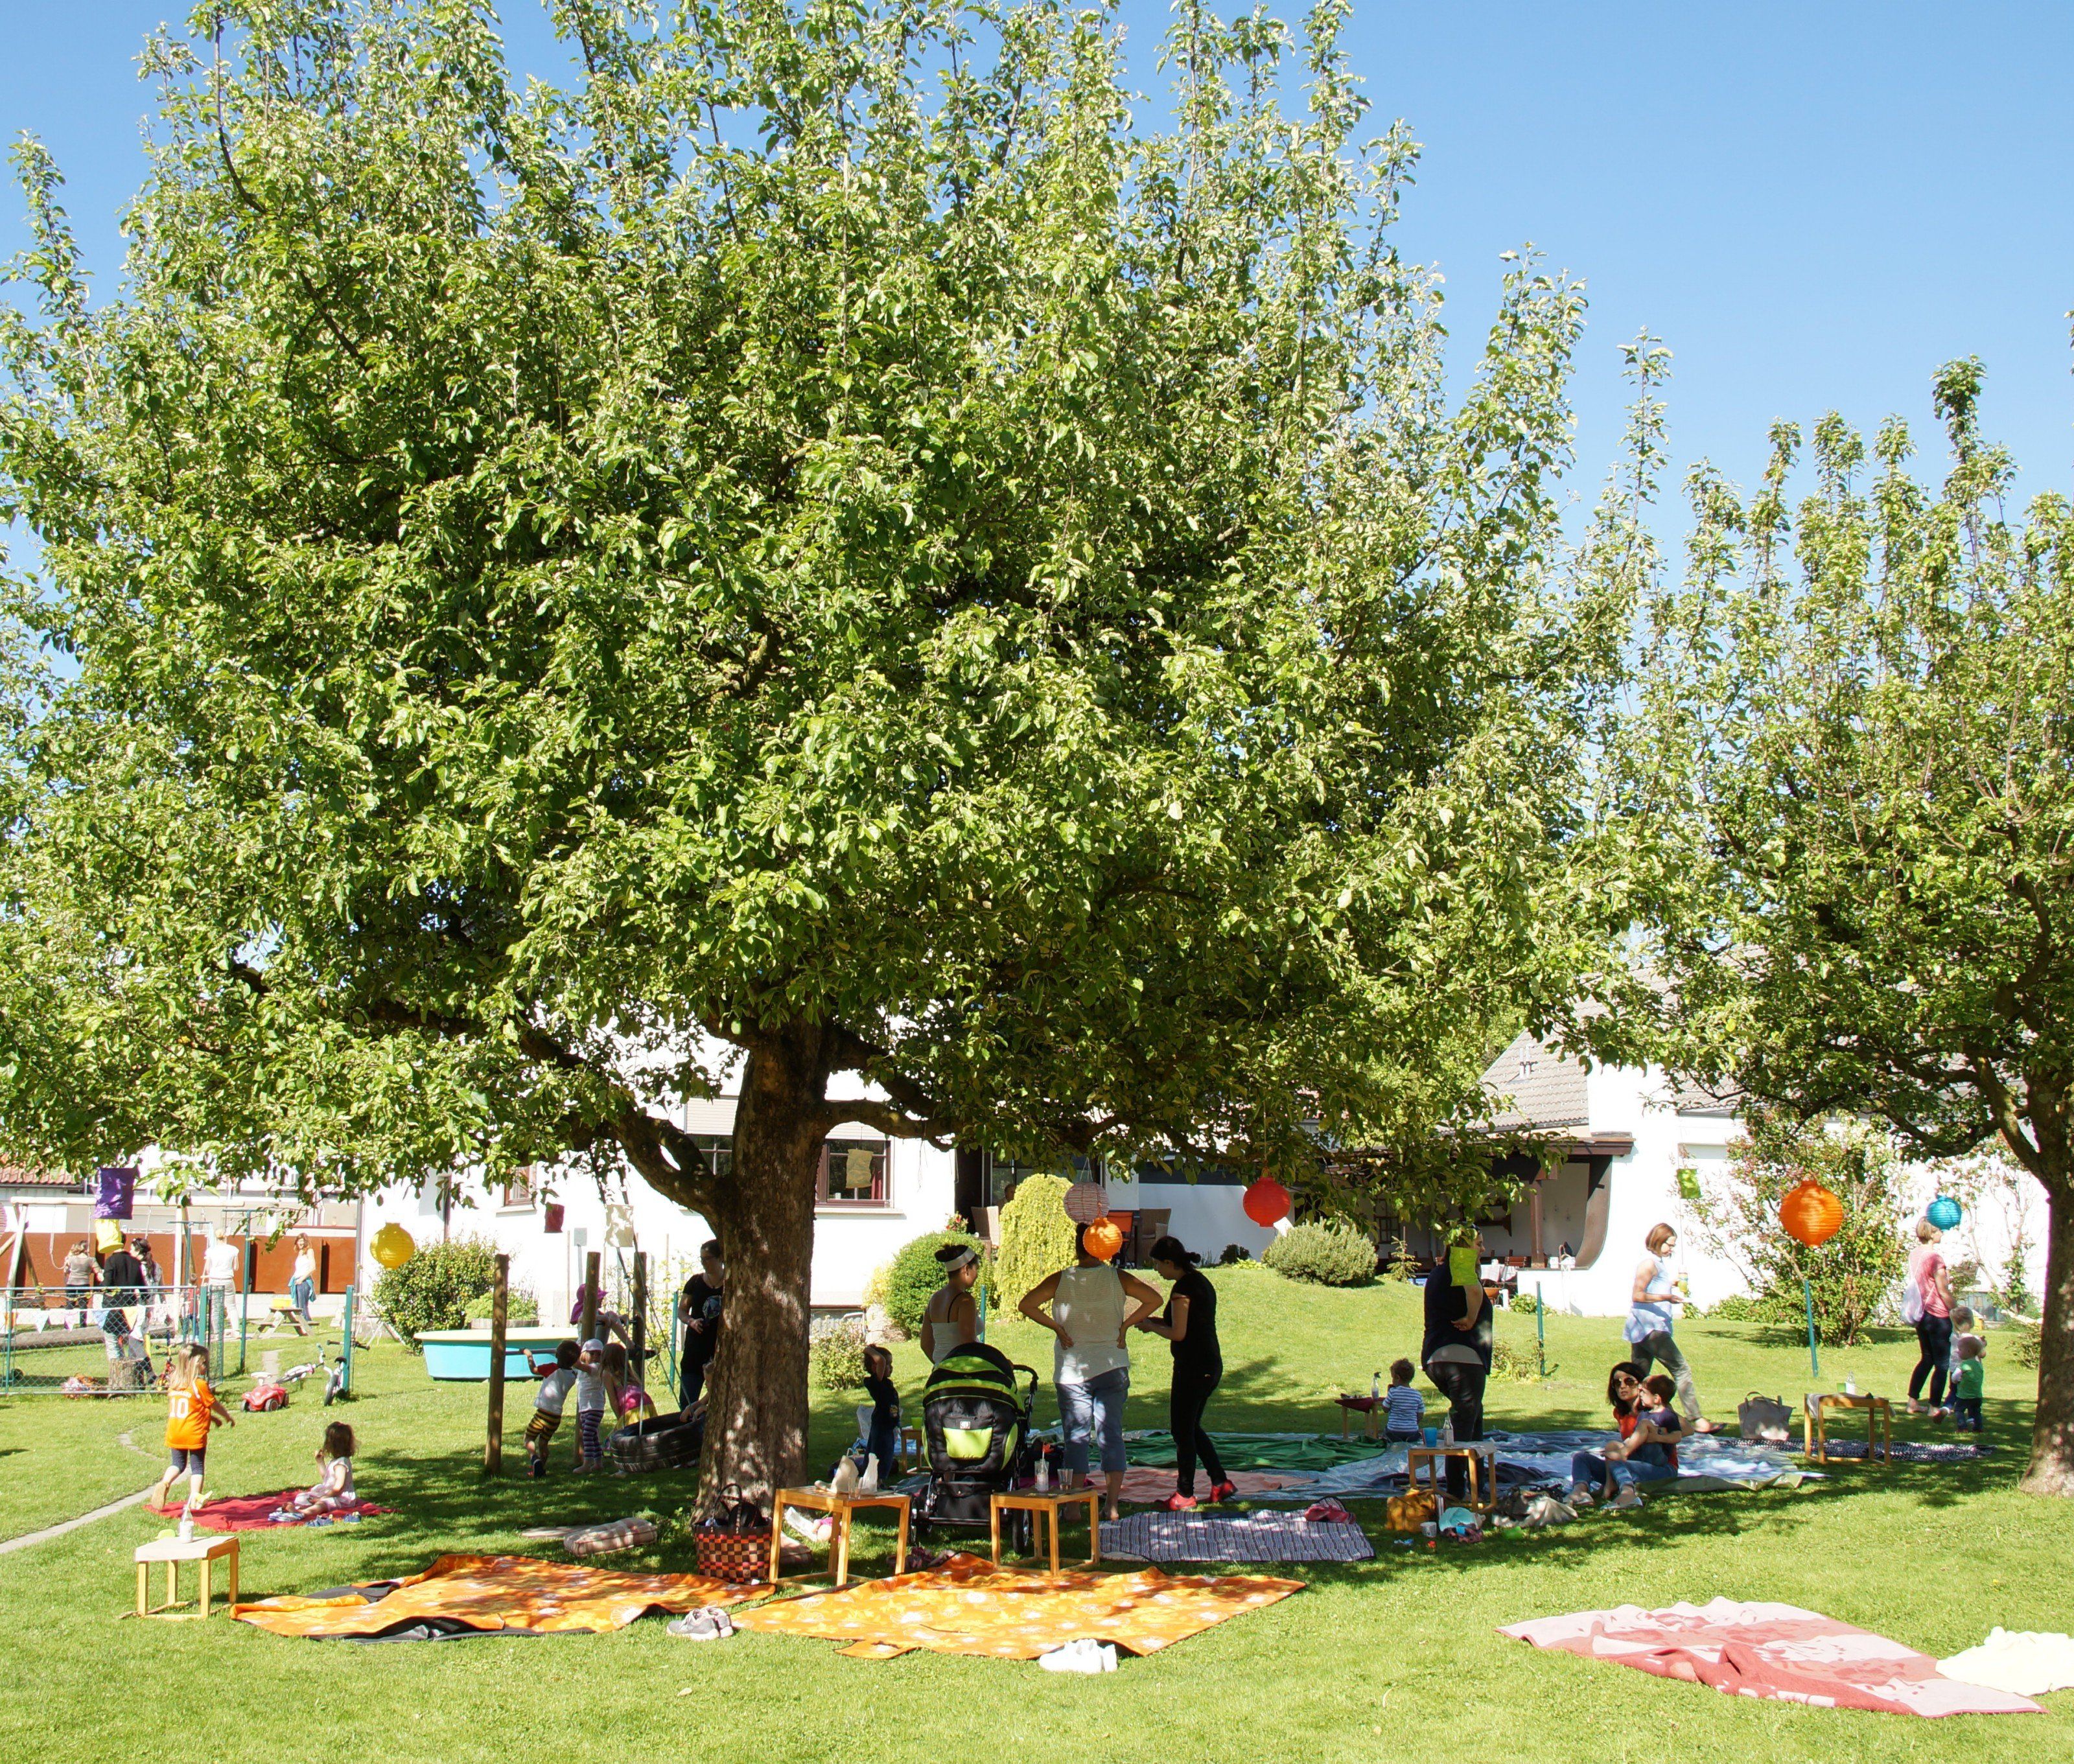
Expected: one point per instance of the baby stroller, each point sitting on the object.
(977, 1427)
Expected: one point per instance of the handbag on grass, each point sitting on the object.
(1764, 1419)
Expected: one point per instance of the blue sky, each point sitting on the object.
(1812, 204)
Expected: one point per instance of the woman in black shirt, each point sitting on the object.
(1190, 1323)
(699, 1308)
(1456, 1350)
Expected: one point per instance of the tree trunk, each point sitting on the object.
(763, 1215)
(2052, 1467)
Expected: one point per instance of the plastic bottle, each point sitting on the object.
(1448, 1430)
(1043, 1474)
(1375, 1388)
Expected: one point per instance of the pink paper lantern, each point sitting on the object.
(1085, 1202)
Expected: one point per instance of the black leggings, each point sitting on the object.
(1933, 1336)
(1462, 1383)
(1185, 1420)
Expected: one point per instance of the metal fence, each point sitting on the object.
(70, 1341)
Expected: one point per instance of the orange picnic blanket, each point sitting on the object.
(497, 1593)
(969, 1606)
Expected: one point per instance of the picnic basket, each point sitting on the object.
(735, 1545)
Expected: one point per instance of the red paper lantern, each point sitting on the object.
(1812, 1214)
(553, 1212)
(1105, 1238)
(1267, 1201)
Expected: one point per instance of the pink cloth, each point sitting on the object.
(1923, 1268)
(1771, 1651)
(254, 1512)
(1143, 1483)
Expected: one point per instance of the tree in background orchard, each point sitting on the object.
(816, 552)
(1852, 813)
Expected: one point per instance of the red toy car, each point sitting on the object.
(263, 1398)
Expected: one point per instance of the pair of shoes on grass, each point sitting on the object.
(708, 1623)
(1084, 1654)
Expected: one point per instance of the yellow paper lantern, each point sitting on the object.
(392, 1245)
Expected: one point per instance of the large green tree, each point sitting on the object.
(817, 547)
(1851, 767)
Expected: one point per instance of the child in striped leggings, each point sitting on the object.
(594, 1396)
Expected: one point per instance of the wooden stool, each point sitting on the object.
(172, 1552)
(913, 1447)
(1815, 1425)
(1352, 1406)
(1040, 1502)
(839, 1508)
(1432, 1457)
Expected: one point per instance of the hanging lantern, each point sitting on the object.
(1085, 1202)
(552, 1213)
(392, 1245)
(1812, 1214)
(1944, 1213)
(1105, 1237)
(114, 1191)
(1267, 1202)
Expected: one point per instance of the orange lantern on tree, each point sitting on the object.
(1105, 1237)
(1810, 1213)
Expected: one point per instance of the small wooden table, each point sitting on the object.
(1352, 1406)
(1814, 1427)
(839, 1509)
(1048, 1500)
(172, 1552)
(1479, 1458)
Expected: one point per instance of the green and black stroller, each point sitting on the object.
(977, 1428)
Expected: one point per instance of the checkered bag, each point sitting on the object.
(734, 1546)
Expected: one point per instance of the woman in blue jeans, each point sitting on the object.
(1093, 1307)
(1647, 1449)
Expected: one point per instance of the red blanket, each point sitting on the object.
(1771, 1651)
(254, 1512)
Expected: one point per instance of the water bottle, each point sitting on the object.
(1448, 1430)
(1043, 1474)
(1375, 1388)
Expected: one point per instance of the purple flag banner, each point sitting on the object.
(115, 1191)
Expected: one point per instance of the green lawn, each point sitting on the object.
(1398, 1656)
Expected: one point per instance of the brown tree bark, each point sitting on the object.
(2052, 1467)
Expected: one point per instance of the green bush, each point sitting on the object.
(909, 1281)
(432, 1290)
(1037, 1238)
(835, 1354)
(1527, 1305)
(2027, 1342)
(1516, 1365)
(1740, 1307)
(1327, 1254)
(520, 1306)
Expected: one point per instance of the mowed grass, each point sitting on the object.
(1396, 1658)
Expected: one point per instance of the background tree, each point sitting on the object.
(818, 547)
(1853, 1276)
(1851, 768)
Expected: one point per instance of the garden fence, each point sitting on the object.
(68, 1341)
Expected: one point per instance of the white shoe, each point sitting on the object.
(1627, 1500)
(1083, 1654)
(1580, 1496)
(807, 1527)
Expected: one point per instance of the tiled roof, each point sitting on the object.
(15, 1176)
(1689, 1097)
(1540, 1087)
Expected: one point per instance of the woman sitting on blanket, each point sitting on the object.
(1647, 1449)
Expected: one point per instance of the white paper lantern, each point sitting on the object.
(1086, 1202)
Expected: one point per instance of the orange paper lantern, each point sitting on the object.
(1105, 1238)
(1267, 1201)
(1812, 1214)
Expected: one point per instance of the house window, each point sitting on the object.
(852, 1173)
(716, 1151)
(518, 1191)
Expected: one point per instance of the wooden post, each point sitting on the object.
(640, 1346)
(500, 1298)
(590, 1291)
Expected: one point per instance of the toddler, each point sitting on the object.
(632, 1402)
(1967, 1384)
(1403, 1408)
(1963, 1323)
(883, 1439)
(594, 1396)
(557, 1378)
(333, 1492)
(192, 1410)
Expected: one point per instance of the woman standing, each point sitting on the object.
(1093, 1308)
(81, 1273)
(699, 1306)
(951, 1319)
(303, 1281)
(1190, 1323)
(1649, 1322)
(1932, 1281)
(1456, 1350)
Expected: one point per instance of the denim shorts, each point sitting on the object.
(1082, 1407)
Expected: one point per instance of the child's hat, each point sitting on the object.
(593, 1346)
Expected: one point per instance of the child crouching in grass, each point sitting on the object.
(334, 1491)
(191, 1410)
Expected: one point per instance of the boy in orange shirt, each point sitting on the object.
(193, 1409)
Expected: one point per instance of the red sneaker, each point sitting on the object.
(1223, 1491)
(1181, 1503)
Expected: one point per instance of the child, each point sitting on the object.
(1963, 1321)
(333, 1492)
(594, 1395)
(557, 1378)
(631, 1402)
(192, 1410)
(1404, 1410)
(882, 1442)
(1967, 1384)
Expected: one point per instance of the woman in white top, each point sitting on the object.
(951, 1319)
(1648, 1322)
(303, 1283)
(1093, 1308)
